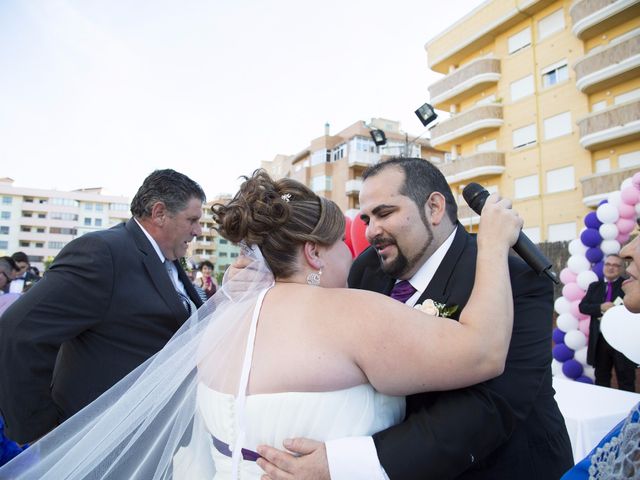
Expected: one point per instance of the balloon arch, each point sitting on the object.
(607, 229)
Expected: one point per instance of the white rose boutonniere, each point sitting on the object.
(437, 309)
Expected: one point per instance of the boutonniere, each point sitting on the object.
(437, 309)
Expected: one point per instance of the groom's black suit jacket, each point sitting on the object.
(507, 428)
(104, 307)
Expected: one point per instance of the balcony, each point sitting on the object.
(466, 216)
(363, 159)
(597, 187)
(473, 166)
(353, 187)
(464, 82)
(593, 17)
(615, 64)
(471, 123)
(612, 126)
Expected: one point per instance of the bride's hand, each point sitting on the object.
(499, 224)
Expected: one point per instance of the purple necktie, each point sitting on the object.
(402, 291)
(609, 292)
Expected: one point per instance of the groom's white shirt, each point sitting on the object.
(355, 458)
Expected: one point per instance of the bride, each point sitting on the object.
(274, 355)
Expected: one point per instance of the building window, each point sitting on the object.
(339, 152)
(4, 230)
(4, 245)
(7, 200)
(42, 215)
(64, 201)
(56, 245)
(321, 183)
(233, 254)
(222, 254)
(64, 216)
(533, 233)
(524, 136)
(487, 100)
(550, 24)
(320, 156)
(528, 186)
(630, 159)
(598, 106)
(561, 232)
(63, 231)
(561, 179)
(40, 230)
(519, 41)
(88, 206)
(5, 215)
(603, 165)
(99, 207)
(627, 97)
(554, 74)
(97, 222)
(521, 88)
(87, 222)
(119, 206)
(39, 244)
(557, 126)
(489, 146)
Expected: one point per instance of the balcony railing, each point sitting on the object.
(597, 187)
(477, 165)
(609, 66)
(592, 17)
(614, 125)
(472, 122)
(363, 159)
(465, 81)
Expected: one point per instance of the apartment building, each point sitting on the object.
(332, 165)
(544, 103)
(41, 222)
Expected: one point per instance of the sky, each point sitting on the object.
(99, 93)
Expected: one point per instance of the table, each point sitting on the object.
(590, 412)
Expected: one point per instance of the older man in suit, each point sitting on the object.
(110, 300)
(507, 428)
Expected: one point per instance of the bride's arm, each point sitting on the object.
(402, 350)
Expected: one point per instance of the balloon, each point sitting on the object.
(572, 369)
(637, 207)
(561, 305)
(572, 292)
(567, 276)
(614, 199)
(556, 368)
(597, 269)
(626, 211)
(621, 329)
(578, 263)
(608, 231)
(581, 355)
(625, 225)
(583, 379)
(575, 339)
(358, 238)
(610, 246)
(583, 326)
(557, 336)
(576, 247)
(627, 182)
(574, 310)
(623, 238)
(589, 371)
(607, 213)
(347, 234)
(629, 195)
(562, 353)
(635, 180)
(585, 279)
(591, 237)
(594, 254)
(567, 322)
(591, 220)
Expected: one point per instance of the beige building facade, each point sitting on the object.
(544, 102)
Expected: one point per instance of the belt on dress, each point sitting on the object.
(223, 448)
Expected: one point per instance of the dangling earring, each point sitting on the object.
(314, 278)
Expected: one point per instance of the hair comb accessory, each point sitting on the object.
(286, 197)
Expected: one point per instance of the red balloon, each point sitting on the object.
(358, 238)
(347, 234)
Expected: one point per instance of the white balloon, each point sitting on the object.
(562, 305)
(608, 231)
(556, 369)
(627, 182)
(614, 199)
(586, 278)
(581, 356)
(575, 340)
(621, 328)
(567, 322)
(576, 247)
(637, 209)
(589, 371)
(609, 247)
(578, 263)
(607, 213)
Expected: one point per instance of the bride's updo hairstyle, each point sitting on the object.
(278, 216)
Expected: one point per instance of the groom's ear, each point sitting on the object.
(311, 255)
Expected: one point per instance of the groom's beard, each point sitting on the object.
(400, 265)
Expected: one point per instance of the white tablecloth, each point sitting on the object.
(590, 412)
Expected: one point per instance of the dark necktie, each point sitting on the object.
(183, 298)
(608, 298)
(402, 291)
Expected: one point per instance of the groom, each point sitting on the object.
(508, 427)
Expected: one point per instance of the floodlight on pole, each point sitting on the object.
(426, 114)
(378, 137)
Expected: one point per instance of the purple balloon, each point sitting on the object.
(598, 269)
(591, 237)
(591, 220)
(602, 202)
(572, 368)
(584, 379)
(594, 254)
(562, 353)
(558, 336)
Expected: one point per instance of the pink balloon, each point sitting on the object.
(583, 326)
(627, 211)
(567, 276)
(572, 292)
(625, 225)
(582, 316)
(636, 180)
(629, 195)
(623, 238)
(574, 310)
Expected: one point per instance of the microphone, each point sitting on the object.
(475, 195)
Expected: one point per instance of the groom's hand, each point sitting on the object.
(309, 461)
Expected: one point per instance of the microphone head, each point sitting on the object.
(475, 195)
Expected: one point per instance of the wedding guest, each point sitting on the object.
(25, 277)
(508, 427)
(206, 280)
(110, 300)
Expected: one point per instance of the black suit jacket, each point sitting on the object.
(590, 305)
(507, 428)
(104, 307)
